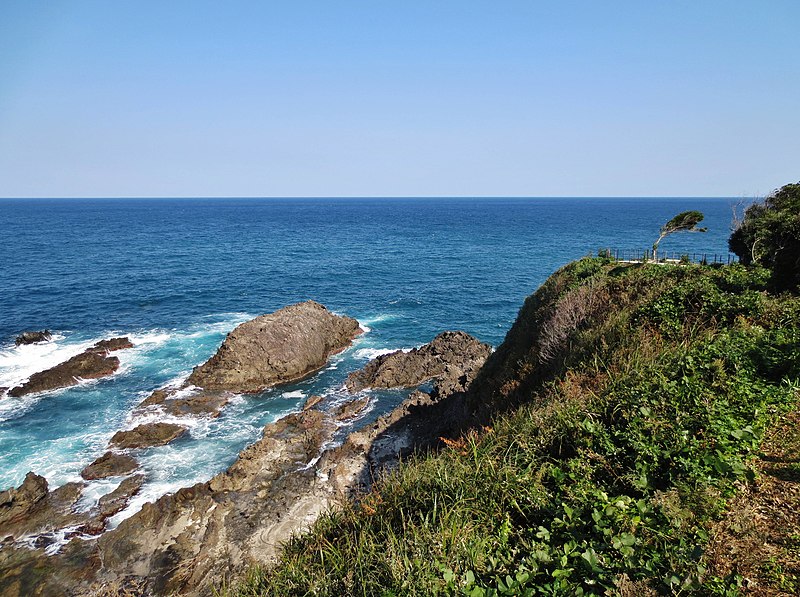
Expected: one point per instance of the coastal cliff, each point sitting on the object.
(594, 451)
(598, 452)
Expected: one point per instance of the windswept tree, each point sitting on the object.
(686, 221)
(769, 234)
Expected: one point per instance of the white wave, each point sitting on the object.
(18, 363)
(294, 394)
(55, 540)
(372, 353)
(94, 490)
(149, 338)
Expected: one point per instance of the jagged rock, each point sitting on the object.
(116, 501)
(87, 365)
(16, 504)
(154, 399)
(448, 356)
(33, 337)
(351, 409)
(148, 435)
(111, 345)
(276, 348)
(93, 363)
(187, 540)
(312, 402)
(30, 509)
(110, 465)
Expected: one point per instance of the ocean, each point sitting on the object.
(176, 275)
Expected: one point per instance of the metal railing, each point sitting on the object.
(642, 256)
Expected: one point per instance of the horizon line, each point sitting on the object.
(347, 197)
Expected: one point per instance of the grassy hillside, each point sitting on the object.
(624, 413)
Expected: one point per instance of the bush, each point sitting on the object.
(769, 235)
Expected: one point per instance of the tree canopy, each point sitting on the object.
(686, 221)
(769, 234)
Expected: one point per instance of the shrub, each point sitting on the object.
(769, 235)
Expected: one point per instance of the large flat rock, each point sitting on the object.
(148, 435)
(276, 348)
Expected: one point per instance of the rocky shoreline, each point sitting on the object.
(187, 541)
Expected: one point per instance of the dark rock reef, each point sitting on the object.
(147, 435)
(93, 363)
(33, 337)
(110, 465)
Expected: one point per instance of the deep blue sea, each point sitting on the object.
(175, 275)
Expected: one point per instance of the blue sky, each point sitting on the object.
(378, 98)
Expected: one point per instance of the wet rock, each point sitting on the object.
(148, 435)
(87, 365)
(154, 399)
(351, 409)
(205, 403)
(111, 345)
(447, 357)
(276, 348)
(312, 402)
(33, 337)
(110, 465)
(116, 501)
(30, 509)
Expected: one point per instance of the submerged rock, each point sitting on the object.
(446, 358)
(148, 435)
(276, 348)
(110, 465)
(33, 337)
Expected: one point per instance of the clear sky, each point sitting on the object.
(405, 98)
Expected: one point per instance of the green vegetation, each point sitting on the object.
(628, 405)
(769, 235)
(686, 221)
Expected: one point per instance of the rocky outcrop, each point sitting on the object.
(110, 464)
(30, 512)
(112, 344)
(33, 337)
(271, 349)
(87, 365)
(351, 409)
(148, 435)
(449, 357)
(93, 363)
(276, 348)
(16, 504)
